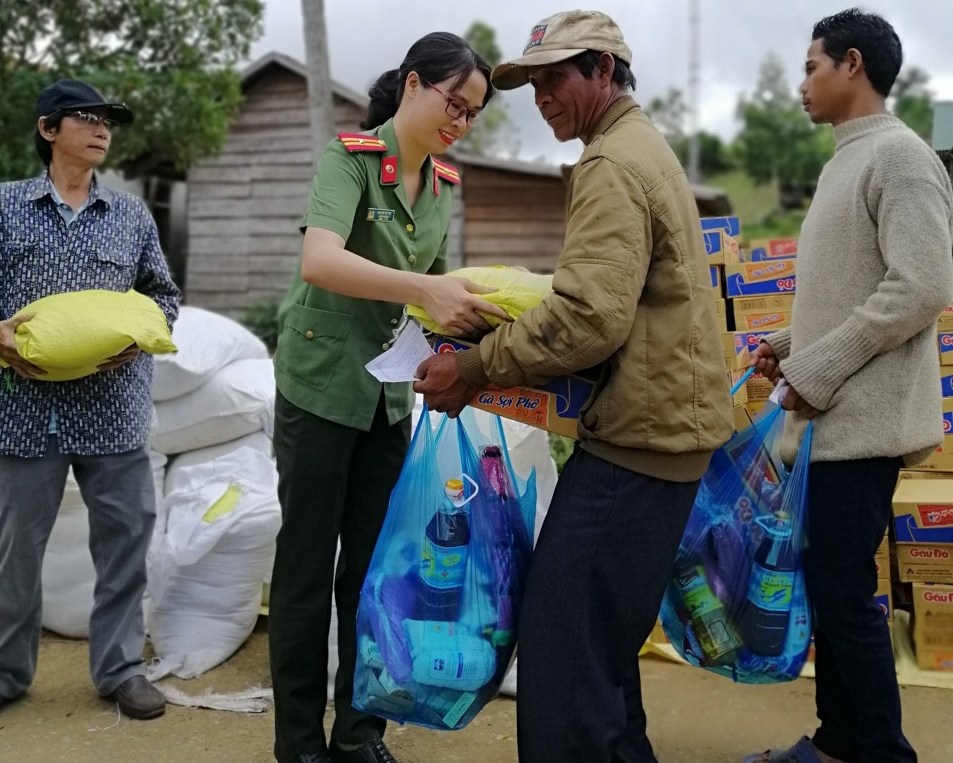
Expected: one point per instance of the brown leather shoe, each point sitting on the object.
(138, 698)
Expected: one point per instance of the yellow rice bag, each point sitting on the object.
(517, 290)
(71, 334)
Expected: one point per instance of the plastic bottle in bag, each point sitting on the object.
(501, 490)
(716, 636)
(445, 553)
(767, 611)
(446, 656)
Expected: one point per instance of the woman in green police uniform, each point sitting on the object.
(375, 238)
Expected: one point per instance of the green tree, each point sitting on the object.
(668, 113)
(778, 143)
(489, 133)
(171, 61)
(913, 101)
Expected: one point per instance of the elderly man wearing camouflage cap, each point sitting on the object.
(631, 291)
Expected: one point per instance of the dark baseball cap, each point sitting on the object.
(76, 95)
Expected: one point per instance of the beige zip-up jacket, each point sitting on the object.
(631, 290)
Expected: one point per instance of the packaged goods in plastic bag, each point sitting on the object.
(736, 603)
(439, 607)
(517, 290)
(71, 334)
(205, 579)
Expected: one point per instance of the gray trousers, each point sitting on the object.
(119, 493)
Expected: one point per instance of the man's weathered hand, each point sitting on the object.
(792, 401)
(9, 352)
(766, 362)
(444, 390)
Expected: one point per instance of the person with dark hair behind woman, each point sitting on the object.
(375, 238)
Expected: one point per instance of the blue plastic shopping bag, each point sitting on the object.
(436, 621)
(736, 603)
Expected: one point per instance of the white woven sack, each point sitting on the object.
(178, 467)
(207, 342)
(206, 578)
(238, 400)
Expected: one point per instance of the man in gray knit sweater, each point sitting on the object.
(874, 271)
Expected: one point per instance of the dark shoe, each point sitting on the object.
(803, 752)
(282, 756)
(138, 698)
(372, 751)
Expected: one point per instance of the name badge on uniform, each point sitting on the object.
(376, 215)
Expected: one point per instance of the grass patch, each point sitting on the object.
(757, 207)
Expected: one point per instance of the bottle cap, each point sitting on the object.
(454, 489)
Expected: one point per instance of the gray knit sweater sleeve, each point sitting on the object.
(877, 266)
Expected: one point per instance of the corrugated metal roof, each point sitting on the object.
(943, 125)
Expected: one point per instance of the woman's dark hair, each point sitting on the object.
(435, 57)
(588, 61)
(43, 148)
(872, 36)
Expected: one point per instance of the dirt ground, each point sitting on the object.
(694, 717)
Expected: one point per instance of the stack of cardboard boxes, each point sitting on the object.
(754, 293)
(922, 551)
(923, 556)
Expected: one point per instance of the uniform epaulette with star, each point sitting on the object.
(356, 141)
(446, 171)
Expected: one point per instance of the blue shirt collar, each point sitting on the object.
(41, 186)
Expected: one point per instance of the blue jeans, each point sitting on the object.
(119, 493)
(858, 702)
(593, 593)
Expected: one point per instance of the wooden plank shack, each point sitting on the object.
(244, 205)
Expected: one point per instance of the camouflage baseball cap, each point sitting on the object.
(561, 36)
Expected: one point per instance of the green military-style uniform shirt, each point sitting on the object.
(325, 339)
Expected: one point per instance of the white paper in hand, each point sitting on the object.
(399, 363)
(780, 390)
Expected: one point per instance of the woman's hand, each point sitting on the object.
(454, 304)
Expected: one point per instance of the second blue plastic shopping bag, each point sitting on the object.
(736, 603)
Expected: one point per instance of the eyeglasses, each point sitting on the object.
(93, 119)
(456, 109)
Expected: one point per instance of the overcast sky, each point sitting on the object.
(366, 37)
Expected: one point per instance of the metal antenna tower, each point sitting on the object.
(693, 80)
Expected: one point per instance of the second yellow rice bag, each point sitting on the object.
(517, 290)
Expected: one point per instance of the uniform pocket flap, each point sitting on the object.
(313, 322)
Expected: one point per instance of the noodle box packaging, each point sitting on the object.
(923, 511)
(933, 626)
(555, 406)
(756, 278)
(762, 250)
(720, 247)
(925, 562)
(729, 224)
